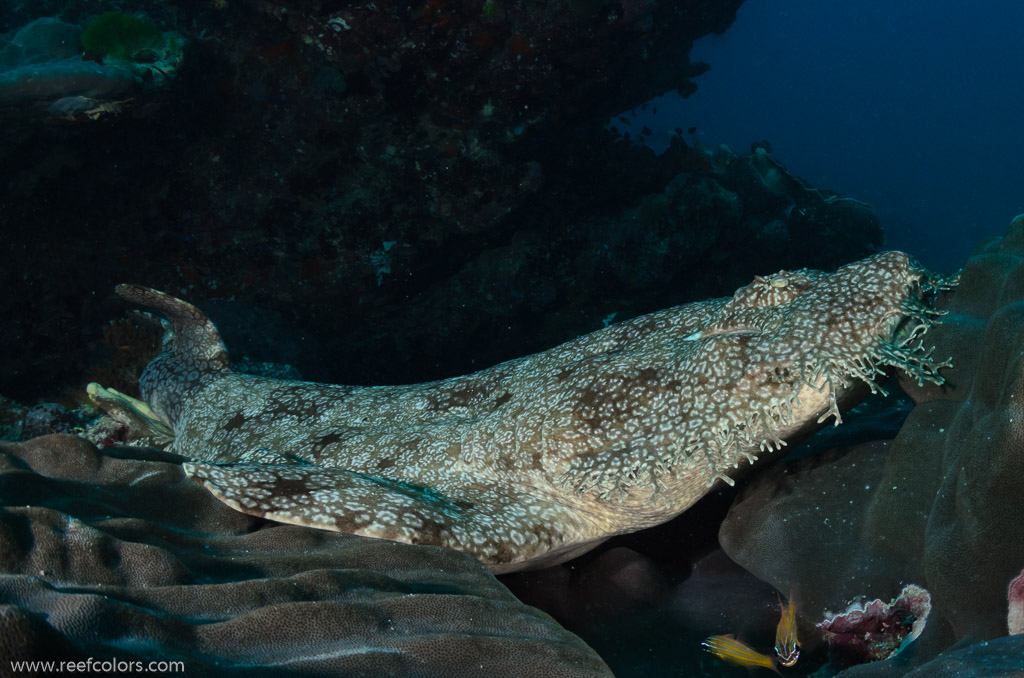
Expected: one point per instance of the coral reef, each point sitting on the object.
(426, 189)
(39, 65)
(996, 658)
(43, 71)
(115, 555)
(12, 419)
(46, 418)
(122, 37)
(936, 504)
(433, 194)
(992, 659)
(42, 40)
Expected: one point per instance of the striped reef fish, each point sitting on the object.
(733, 651)
(787, 645)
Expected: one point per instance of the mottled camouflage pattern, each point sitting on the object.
(541, 458)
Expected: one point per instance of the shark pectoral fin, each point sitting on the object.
(499, 526)
(136, 415)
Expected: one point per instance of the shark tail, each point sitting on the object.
(188, 333)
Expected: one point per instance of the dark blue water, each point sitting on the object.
(914, 107)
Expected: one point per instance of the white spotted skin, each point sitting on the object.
(541, 458)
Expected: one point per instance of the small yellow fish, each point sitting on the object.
(787, 645)
(728, 649)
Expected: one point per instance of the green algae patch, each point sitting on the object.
(123, 37)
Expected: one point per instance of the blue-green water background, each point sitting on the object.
(913, 107)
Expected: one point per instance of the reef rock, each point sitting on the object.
(440, 191)
(115, 555)
(43, 71)
(998, 658)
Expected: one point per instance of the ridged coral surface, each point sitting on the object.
(116, 555)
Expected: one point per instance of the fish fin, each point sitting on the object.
(497, 524)
(188, 332)
(136, 415)
(785, 605)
